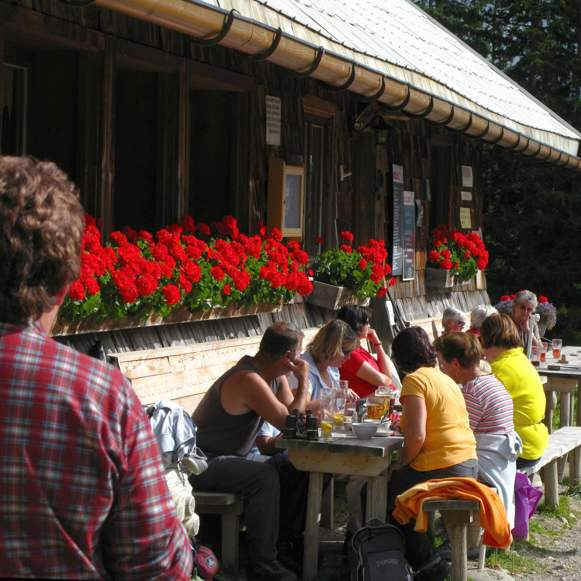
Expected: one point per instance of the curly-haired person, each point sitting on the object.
(83, 490)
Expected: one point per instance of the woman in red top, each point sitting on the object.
(363, 371)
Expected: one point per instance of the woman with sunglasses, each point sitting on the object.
(364, 372)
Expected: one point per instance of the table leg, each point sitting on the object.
(579, 402)
(376, 497)
(311, 542)
(575, 467)
(565, 407)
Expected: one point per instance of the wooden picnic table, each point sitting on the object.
(343, 454)
(564, 379)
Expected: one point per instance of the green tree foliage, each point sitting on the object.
(532, 210)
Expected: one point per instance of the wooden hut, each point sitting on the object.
(158, 110)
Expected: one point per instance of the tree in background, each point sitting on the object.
(532, 210)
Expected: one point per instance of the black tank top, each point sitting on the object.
(221, 433)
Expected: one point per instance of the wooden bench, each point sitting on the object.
(229, 507)
(458, 514)
(564, 441)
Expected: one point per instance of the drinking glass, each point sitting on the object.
(557, 344)
(543, 352)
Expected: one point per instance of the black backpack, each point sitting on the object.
(377, 553)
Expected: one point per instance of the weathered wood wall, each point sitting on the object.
(356, 180)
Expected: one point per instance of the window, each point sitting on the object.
(13, 119)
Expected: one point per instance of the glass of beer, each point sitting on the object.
(557, 344)
(543, 352)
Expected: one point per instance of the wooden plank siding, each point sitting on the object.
(356, 169)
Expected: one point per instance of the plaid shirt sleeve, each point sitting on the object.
(142, 538)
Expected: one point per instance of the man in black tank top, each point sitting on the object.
(228, 419)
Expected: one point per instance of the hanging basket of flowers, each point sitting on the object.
(180, 273)
(454, 258)
(346, 275)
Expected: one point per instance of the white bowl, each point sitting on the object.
(364, 430)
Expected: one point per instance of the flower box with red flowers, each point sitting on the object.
(458, 254)
(180, 273)
(347, 275)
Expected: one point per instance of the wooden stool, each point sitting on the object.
(229, 507)
(457, 515)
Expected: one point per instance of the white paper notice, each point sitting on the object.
(465, 217)
(466, 176)
(273, 116)
(398, 174)
(466, 196)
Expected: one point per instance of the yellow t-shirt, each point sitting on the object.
(449, 439)
(522, 381)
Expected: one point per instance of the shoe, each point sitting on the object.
(270, 571)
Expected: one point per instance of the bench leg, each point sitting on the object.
(456, 523)
(481, 557)
(565, 406)
(550, 479)
(230, 542)
(575, 467)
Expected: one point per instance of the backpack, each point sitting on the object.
(377, 553)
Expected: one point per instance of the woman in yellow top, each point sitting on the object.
(504, 351)
(438, 441)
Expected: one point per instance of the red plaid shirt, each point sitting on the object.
(82, 490)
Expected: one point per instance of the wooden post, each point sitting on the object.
(579, 402)
(184, 141)
(551, 402)
(565, 408)
(107, 149)
(575, 467)
(376, 506)
(328, 506)
(230, 542)
(551, 483)
(311, 542)
(456, 522)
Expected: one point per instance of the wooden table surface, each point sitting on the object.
(553, 368)
(343, 454)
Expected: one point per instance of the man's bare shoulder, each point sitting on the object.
(246, 380)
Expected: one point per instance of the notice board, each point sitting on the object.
(409, 235)
(397, 251)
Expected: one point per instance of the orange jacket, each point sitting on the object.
(492, 514)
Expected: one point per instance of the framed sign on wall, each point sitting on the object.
(286, 197)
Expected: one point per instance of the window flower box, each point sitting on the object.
(180, 315)
(333, 297)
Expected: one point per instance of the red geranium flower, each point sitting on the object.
(347, 235)
(171, 293)
(217, 272)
